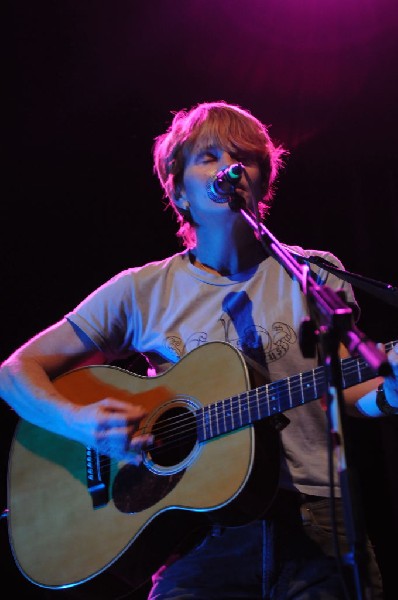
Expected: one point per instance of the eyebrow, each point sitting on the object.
(201, 151)
(204, 149)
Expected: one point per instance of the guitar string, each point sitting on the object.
(261, 392)
(256, 395)
(256, 401)
(255, 398)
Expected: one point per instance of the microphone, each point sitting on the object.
(221, 188)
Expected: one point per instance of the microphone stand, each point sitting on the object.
(381, 290)
(331, 322)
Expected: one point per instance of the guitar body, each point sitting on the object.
(60, 537)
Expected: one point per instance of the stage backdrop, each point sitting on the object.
(90, 84)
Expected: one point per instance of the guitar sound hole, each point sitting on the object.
(137, 488)
(174, 436)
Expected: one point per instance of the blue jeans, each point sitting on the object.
(288, 556)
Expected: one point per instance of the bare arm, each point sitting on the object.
(25, 384)
(361, 399)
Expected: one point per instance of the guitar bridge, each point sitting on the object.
(98, 471)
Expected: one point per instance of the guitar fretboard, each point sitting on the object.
(274, 398)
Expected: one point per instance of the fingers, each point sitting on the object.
(114, 406)
(393, 359)
(394, 354)
(123, 441)
(391, 382)
(116, 429)
(122, 447)
(137, 446)
(116, 415)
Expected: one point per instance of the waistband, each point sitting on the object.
(303, 498)
(288, 502)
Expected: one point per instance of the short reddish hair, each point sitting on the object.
(215, 123)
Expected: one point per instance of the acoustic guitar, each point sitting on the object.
(74, 513)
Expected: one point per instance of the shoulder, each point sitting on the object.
(149, 270)
(309, 254)
(318, 262)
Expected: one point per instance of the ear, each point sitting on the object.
(180, 199)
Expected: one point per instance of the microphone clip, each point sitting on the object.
(222, 188)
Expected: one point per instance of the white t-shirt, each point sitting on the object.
(167, 308)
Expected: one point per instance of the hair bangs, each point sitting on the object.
(226, 129)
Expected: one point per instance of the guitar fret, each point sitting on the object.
(229, 416)
(295, 390)
(258, 404)
(224, 413)
(315, 386)
(301, 388)
(243, 403)
(282, 395)
(275, 407)
(216, 418)
(355, 371)
(276, 397)
(249, 413)
(359, 372)
(206, 422)
(199, 425)
(210, 410)
(240, 411)
(343, 378)
(220, 417)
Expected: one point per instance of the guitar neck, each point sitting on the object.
(274, 398)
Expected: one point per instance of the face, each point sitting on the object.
(201, 166)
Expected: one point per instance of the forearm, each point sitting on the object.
(107, 424)
(383, 399)
(380, 400)
(26, 387)
(363, 400)
(367, 405)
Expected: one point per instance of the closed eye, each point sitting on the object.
(207, 156)
(248, 159)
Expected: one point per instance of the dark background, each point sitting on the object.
(90, 84)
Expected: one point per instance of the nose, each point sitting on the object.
(226, 160)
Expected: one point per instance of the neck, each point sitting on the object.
(230, 260)
(226, 244)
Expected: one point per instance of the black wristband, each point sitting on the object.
(382, 403)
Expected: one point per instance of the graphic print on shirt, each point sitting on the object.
(255, 341)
